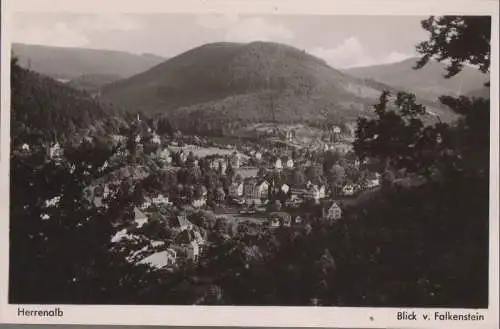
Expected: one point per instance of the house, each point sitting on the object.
(156, 139)
(262, 189)
(255, 190)
(219, 164)
(297, 194)
(332, 212)
(199, 202)
(258, 155)
(164, 155)
(180, 222)
(140, 218)
(160, 199)
(235, 160)
(220, 195)
(236, 189)
(348, 190)
(183, 156)
(118, 138)
(160, 260)
(281, 218)
(193, 251)
(373, 180)
(322, 191)
(55, 151)
(278, 164)
(146, 204)
(313, 192)
(287, 162)
(192, 242)
(285, 188)
(97, 194)
(298, 220)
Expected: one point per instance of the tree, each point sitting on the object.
(59, 251)
(460, 39)
(452, 202)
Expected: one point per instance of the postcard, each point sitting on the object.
(250, 163)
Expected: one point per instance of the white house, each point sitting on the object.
(156, 139)
(56, 151)
(333, 212)
(288, 162)
(285, 188)
(258, 155)
(198, 203)
(278, 164)
(160, 259)
(140, 218)
(322, 191)
(160, 199)
(193, 251)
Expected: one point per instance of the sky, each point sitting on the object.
(343, 41)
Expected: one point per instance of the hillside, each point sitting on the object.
(69, 63)
(44, 108)
(255, 82)
(92, 82)
(429, 81)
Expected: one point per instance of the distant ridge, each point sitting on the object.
(429, 81)
(69, 63)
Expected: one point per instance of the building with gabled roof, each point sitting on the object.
(332, 211)
(160, 260)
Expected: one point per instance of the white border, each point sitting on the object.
(249, 316)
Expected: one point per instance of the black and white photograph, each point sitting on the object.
(243, 159)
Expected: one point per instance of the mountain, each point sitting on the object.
(68, 63)
(428, 81)
(254, 82)
(43, 108)
(92, 82)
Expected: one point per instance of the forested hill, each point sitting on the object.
(44, 108)
(254, 82)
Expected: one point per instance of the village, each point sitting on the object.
(185, 182)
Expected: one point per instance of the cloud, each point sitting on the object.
(57, 35)
(351, 53)
(108, 22)
(245, 29)
(70, 31)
